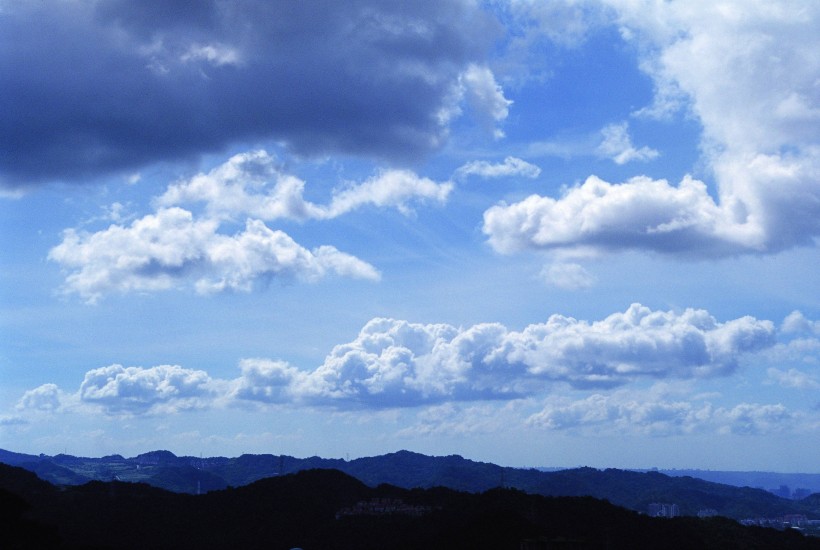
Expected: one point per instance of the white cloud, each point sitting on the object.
(796, 323)
(511, 167)
(171, 248)
(389, 188)
(617, 145)
(215, 54)
(485, 96)
(45, 398)
(242, 187)
(755, 419)
(396, 364)
(642, 213)
(794, 378)
(135, 390)
(748, 71)
(657, 414)
(567, 276)
(267, 381)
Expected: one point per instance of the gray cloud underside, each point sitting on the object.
(95, 87)
(394, 363)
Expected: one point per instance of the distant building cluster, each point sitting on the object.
(784, 491)
(383, 507)
(659, 510)
(790, 521)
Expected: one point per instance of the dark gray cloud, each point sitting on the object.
(91, 88)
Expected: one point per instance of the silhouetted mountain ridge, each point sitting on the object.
(329, 509)
(631, 489)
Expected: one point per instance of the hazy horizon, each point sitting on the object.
(580, 232)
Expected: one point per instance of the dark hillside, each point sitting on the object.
(330, 510)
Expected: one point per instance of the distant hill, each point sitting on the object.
(331, 510)
(781, 484)
(408, 470)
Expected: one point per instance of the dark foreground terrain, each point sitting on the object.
(327, 509)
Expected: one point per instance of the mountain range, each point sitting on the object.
(404, 469)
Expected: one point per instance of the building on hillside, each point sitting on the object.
(661, 510)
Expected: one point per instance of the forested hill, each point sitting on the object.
(330, 510)
(633, 490)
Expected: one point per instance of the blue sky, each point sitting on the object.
(533, 233)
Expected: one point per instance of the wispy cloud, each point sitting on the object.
(511, 167)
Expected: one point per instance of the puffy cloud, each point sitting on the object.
(242, 186)
(754, 419)
(794, 378)
(45, 398)
(169, 248)
(617, 145)
(137, 390)
(267, 381)
(395, 363)
(642, 213)
(112, 86)
(511, 167)
(797, 323)
(747, 71)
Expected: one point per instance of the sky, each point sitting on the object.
(557, 233)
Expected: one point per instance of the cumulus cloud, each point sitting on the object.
(135, 390)
(45, 398)
(797, 323)
(511, 167)
(617, 145)
(268, 381)
(395, 363)
(216, 74)
(747, 72)
(171, 248)
(641, 213)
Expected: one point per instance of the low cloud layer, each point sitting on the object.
(397, 364)
(629, 413)
(103, 87)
